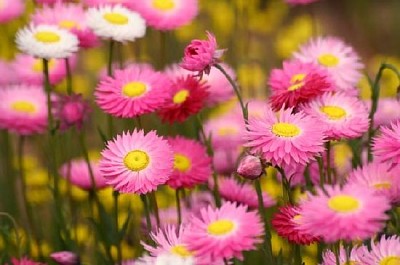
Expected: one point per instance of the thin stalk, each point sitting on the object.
(336, 249)
(328, 162)
(110, 73)
(178, 206)
(286, 191)
(321, 171)
(69, 76)
(85, 153)
(153, 200)
(119, 250)
(17, 236)
(146, 209)
(297, 255)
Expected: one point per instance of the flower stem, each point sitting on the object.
(110, 73)
(69, 76)
(286, 192)
(297, 255)
(328, 162)
(119, 250)
(321, 171)
(153, 200)
(178, 206)
(146, 212)
(336, 249)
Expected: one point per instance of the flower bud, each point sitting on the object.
(72, 111)
(250, 167)
(65, 258)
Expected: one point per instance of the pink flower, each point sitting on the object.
(225, 159)
(7, 75)
(250, 167)
(72, 111)
(24, 261)
(65, 258)
(97, 3)
(386, 147)
(200, 55)
(388, 111)
(11, 9)
(385, 251)
(356, 256)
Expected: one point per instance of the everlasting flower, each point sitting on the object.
(250, 167)
(7, 75)
(388, 111)
(24, 261)
(65, 258)
(192, 165)
(226, 131)
(284, 138)
(225, 232)
(23, 109)
(384, 252)
(166, 14)
(72, 110)
(349, 213)
(297, 83)
(342, 116)
(339, 59)
(137, 162)
(133, 91)
(11, 9)
(46, 41)
(356, 255)
(386, 147)
(116, 22)
(225, 159)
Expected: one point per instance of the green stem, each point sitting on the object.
(297, 255)
(146, 212)
(178, 206)
(286, 190)
(17, 236)
(119, 250)
(69, 76)
(85, 153)
(328, 162)
(153, 200)
(336, 250)
(321, 171)
(110, 73)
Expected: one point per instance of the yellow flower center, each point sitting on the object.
(136, 160)
(328, 60)
(220, 227)
(385, 185)
(225, 131)
(343, 203)
(182, 162)
(284, 129)
(297, 218)
(116, 19)
(134, 89)
(164, 5)
(181, 96)
(68, 24)
(47, 37)
(350, 262)
(296, 82)
(38, 65)
(334, 112)
(181, 250)
(391, 260)
(23, 106)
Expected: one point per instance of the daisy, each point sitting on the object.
(192, 165)
(70, 17)
(133, 91)
(46, 41)
(225, 232)
(384, 252)
(226, 131)
(342, 116)
(355, 258)
(137, 162)
(167, 14)
(284, 138)
(349, 213)
(339, 59)
(297, 83)
(187, 98)
(23, 109)
(386, 146)
(97, 3)
(116, 22)
(11, 9)
(65, 258)
(388, 111)
(7, 75)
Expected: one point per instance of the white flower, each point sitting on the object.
(116, 22)
(47, 41)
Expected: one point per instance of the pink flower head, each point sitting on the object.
(65, 258)
(24, 261)
(77, 172)
(97, 3)
(388, 111)
(286, 224)
(339, 59)
(386, 251)
(349, 213)
(356, 255)
(72, 111)
(284, 138)
(300, 2)
(342, 116)
(166, 14)
(224, 232)
(187, 98)
(297, 83)
(386, 147)
(132, 92)
(70, 17)
(29, 70)
(137, 162)
(201, 55)
(192, 165)
(23, 109)
(11, 9)
(225, 160)
(250, 167)
(7, 75)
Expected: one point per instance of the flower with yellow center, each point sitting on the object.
(136, 160)
(391, 260)
(181, 251)
(296, 82)
(134, 89)
(334, 112)
(182, 162)
(344, 204)
(283, 129)
(181, 96)
(23, 106)
(328, 60)
(220, 227)
(164, 5)
(68, 24)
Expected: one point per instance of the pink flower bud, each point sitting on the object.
(250, 167)
(72, 111)
(65, 258)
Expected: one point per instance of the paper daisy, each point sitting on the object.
(349, 213)
(388, 111)
(116, 22)
(224, 232)
(46, 41)
(23, 109)
(137, 162)
(11, 9)
(72, 110)
(355, 258)
(343, 116)
(192, 165)
(339, 59)
(284, 138)
(384, 252)
(297, 83)
(24, 261)
(386, 146)
(7, 74)
(133, 91)
(97, 3)
(225, 159)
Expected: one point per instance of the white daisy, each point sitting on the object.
(47, 41)
(116, 22)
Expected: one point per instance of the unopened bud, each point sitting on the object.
(250, 167)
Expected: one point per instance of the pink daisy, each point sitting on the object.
(355, 258)
(132, 92)
(77, 172)
(23, 109)
(7, 75)
(297, 83)
(167, 14)
(72, 110)
(384, 252)
(342, 116)
(192, 165)
(24, 261)
(300, 2)
(388, 111)
(70, 17)
(137, 162)
(225, 232)
(349, 213)
(339, 59)
(29, 69)
(243, 193)
(65, 258)
(284, 138)
(11, 9)
(168, 217)
(187, 98)
(97, 3)
(225, 160)
(286, 224)
(386, 147)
